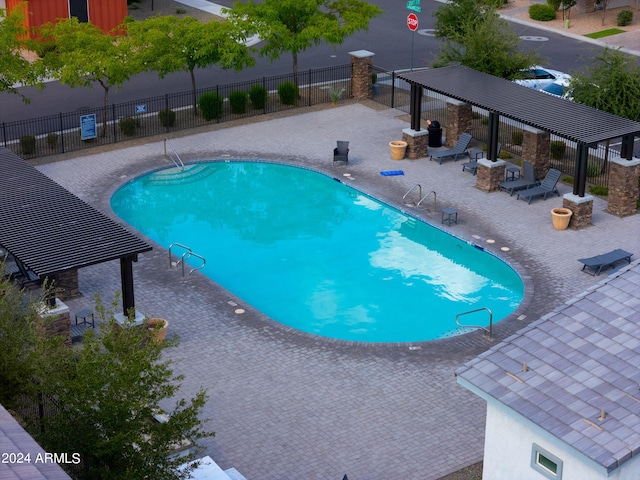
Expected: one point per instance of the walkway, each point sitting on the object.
(287, 406)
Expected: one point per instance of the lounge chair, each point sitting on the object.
(547, 186)
(460, 148)
(341, 152)
(601, 262)
(472, 166)
(527, 180)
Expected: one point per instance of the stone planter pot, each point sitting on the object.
(560, 218)
(398, 149)
(157, 329)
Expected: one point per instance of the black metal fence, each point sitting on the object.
(162, 114)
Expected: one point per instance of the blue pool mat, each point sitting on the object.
(391, 173)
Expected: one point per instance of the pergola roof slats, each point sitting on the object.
(562, 117)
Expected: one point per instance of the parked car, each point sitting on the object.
(559, 88)
(538, 77)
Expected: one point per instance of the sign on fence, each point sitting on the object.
(88, 126)
(141, 108)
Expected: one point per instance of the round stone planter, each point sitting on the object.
(157, 329)
(398, 149)
(560, 218)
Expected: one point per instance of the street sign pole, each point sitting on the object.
(412, 23)
(413, 36)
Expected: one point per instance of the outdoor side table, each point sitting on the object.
(449, 215)
(84, 315)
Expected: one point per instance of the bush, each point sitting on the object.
(517, 137)
(28, 144)
(210, 105)
(593, 169)
(374, 78)
(52, 140)
(167, 117)
(558, 148)
(505, 155)
(128, 126)
(238, 102)
(288, 93)
(555, 4)
(543, 13)
(258, 96)
(599, 190)
(625, 17)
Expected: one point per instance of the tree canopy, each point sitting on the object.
(294, 26)
(611, 83)
(475, 36)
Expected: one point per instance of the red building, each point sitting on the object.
(105, 14)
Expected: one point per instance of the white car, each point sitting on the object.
(538, 77)
(559, 88)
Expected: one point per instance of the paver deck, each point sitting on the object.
(285, 405)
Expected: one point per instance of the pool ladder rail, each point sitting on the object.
(177, 161)
(420, 196)
(186, 255)
(486, 331)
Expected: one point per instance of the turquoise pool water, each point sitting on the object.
(317, 255)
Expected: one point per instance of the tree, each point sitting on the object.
(16, 69)
(296, 25)
(475, 36)
(611, 83)
(108, 392)
(79, 54)
(169, 44)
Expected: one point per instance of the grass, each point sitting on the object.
(604, 33)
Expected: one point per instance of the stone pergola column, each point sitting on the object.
(582, 208)
(417, 142)
(361, 69)
(623, 186)
(66, 285)
(536, 149)
(489, 175)
(459, 118)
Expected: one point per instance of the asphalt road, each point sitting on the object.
(388, 37)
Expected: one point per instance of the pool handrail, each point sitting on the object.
(410, 190)
(489, 330)
(423, 198)
(185, 256)
(179, 163)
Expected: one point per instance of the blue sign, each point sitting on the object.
(414, 5)
(88, 126)
(141, 108)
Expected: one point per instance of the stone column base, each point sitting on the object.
(417, 143)
(58, 320)
(582, 208)
(623, 186)
(489, 175)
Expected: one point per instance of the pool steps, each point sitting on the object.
(209, 470)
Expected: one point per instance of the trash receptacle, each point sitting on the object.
(435, 134)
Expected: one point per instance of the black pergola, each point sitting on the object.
(50, 230)
(584, 125)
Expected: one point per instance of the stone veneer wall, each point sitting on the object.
(489, 175)
(459, 120)
(67, 284)
(361, 68)
(59, 325)
(536, 148)
(623, 187)
(582, 213)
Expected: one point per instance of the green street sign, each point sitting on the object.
(414, 5)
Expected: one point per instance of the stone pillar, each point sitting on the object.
(66, 285)
(623, 186)
(459, 118)
(586, 6)
(417, 142)
(536, 149)
(361, 69)
(57, 320)
(582, 208)
(489, 175)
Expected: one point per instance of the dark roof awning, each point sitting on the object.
(562, 117)
(49, 229)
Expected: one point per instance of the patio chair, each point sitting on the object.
(594, 265)
(341, 152)
(527, 180)
(547, 186)
(460, 148)
(472, 166)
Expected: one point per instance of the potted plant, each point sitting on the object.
(561, 217)
(157, 329)
(398, 149)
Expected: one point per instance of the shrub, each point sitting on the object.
(593, 169)
(167, 117)
(484, 120)
(52, 140)
(543, 13)
(475, 115)
(496, 3)
(555, 4)
(238, 102)
(288, 93)
(505, 155)
(258, 96)
(374, 78)
(181, 11)
(599, 190)
(128, 126)
(567, 179)
(558, 148)
(517, 137)
(28, 144)
(210, 105)
(625, 17)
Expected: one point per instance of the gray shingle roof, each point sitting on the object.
(581, 358)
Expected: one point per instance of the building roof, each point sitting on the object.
(562, 117)
(49, 229)
(582, 358)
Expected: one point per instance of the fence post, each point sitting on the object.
(4, 133)
(393, 88)
(41, 411)
(310, 90)
(115, 127)
(166, 109)
(264, 85)
(61, 133)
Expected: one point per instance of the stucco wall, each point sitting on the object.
(507, 451)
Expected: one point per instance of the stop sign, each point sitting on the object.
(412, 22)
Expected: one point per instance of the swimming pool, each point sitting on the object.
(318, 255)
